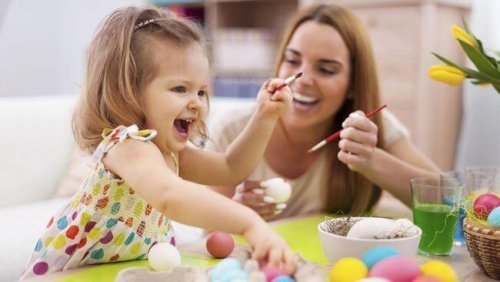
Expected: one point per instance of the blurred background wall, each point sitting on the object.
(43, 44)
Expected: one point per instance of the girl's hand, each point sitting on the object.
(252, 195)
(272, 102)
(358, 141)
(267, 245)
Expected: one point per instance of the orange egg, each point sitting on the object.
(220, 244)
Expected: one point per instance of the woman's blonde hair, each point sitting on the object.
(346, 190)
(121, 63)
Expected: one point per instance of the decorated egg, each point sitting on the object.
(272, 273)
(439, 269)
(494, 217)
(348, 269)
(225, 266)
(220, 244)
(278, 189)
(373, 279)
(396, 268)
(232, 275)
(370, 227)
(484, 204)
(163, 257)
(283, 278)
(376, 254)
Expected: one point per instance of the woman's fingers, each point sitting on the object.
(364, 137)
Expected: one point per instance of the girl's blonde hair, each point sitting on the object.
(346, 190)
(121, 63)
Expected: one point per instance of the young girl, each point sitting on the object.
(146, 79)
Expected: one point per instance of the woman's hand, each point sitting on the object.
(252, 195)
(358, 141)
(272, 102)
(268, 246)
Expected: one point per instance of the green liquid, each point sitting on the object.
(438, 224)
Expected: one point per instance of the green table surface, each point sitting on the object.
(301, 235)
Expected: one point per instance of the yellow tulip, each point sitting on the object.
(462, 35)
(447, 74)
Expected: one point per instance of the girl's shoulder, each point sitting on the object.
(112, 137)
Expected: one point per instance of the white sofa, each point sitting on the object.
(36, 144)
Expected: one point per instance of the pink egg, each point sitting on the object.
(220, 244)
(396, 268)
(484, 204)
(427, 278)
(272, 272)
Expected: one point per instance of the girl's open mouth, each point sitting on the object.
(182, 126)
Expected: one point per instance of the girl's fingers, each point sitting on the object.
(290, 264)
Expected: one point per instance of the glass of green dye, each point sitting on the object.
(436, 205)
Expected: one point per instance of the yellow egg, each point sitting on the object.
(348, 269)
(439, 269)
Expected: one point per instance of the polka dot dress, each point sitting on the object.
(106, 221)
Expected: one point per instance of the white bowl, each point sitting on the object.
(336, 247)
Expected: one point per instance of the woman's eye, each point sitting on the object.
(326, 71)
(292, 62)
(202, 93)
(179, 89)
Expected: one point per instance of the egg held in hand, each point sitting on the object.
(164, 257)
(220, 244)
(278, 189)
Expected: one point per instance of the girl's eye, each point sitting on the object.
(202, 93)
(179, 89)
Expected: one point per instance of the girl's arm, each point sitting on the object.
(143, 167)
(244, 153)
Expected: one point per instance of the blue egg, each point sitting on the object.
(494, 217)
(235, 274)
(376, 254)
(283, 278)
(225, 266)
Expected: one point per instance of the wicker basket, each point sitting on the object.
(483, 243)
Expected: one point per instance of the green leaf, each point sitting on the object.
(479, 60)
(466, 26)
(448, 62)
(470, 72)
(481, 76)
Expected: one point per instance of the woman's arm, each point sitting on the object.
(244, 153)
(392, 170)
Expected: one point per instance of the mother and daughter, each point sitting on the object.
(145, 98)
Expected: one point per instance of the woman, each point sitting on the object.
(338, 86)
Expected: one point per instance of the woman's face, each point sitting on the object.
(176, 99)
(320, 53)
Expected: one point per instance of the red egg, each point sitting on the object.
(484, 204)
(220, 244)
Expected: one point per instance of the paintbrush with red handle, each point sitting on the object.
(337, 134)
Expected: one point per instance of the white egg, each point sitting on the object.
(370, 227)
(404, 225)
(164, 257)
(278, 189)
